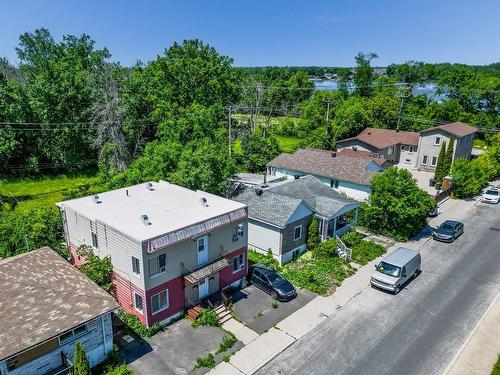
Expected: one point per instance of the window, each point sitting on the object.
(437, 141)
(434, 161)
(159, 302)
(241, 230)
(138, 302)
(391, 150)
(297, 232)
(136, 267)
(157, 265)
(73, 334)
(239, 263)
(334, 184)
(94, 240)
(424, 159)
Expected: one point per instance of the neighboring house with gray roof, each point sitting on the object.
(47, 305)
(279, 216)
(344, 173)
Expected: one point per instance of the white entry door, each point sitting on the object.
(203, 288)
(202, 250)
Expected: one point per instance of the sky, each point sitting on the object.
(270, 32)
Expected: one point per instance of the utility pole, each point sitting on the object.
(405, 93)
(229, 123)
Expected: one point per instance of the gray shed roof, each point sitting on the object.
(278, 203)
(42, 296)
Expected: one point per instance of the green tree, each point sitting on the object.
(396, 206)
(469, 177)
(351, 118)
(440, 171)
(313, 236)
(363, 76)
(449, 157)
(80, 361)
(98, 270)
(258, 151)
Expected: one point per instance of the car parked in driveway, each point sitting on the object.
(491, 195)
(272, 283)
(448, 231)
(396, 269)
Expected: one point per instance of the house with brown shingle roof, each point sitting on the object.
(431, 140)
(46, 306)
(391, 145)
(347, 174)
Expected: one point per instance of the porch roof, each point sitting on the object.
(199, 274)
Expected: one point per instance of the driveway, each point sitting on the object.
(255, 308)
(173, 351)
(418, 331)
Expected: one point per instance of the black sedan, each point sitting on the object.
(272, 283)
(448, 231)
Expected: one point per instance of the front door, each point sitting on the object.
(202, 250)
(203, 288)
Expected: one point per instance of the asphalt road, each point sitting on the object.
(417, 331)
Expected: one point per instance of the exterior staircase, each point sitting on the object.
(194, 312)
(223, 313)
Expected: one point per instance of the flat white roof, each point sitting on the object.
(169, 207)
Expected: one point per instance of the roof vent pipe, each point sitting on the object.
(334, 154)
(126, 192)
(204, 202)
(96, 198)
(258, 192)
(145, 220)
(149, 186)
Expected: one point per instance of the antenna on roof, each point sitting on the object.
(204, 202)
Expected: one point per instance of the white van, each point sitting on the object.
(396, 269)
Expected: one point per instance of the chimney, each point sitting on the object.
(334, 154)
(204, 202)
(258, 192)
(149, 186)
(145, 220)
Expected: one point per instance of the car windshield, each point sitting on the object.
(275, 278)
(492, 192)
(388, 269)
(446, 227)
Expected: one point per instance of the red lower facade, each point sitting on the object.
(124, 292)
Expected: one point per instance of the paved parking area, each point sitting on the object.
(173, 351)
(255, 307)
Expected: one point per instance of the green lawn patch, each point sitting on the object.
(362, 251)
(288, 144)
(317, 274)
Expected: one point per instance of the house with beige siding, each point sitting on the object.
(432, 139)
(170, 247)
(46, 307)
(279, 216)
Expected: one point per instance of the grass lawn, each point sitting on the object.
(43, 191)
(318, 275)
(288, 144)
(496, 368)
(362, 251)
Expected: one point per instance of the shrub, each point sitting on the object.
(135, 324)
(275, 305)
(325, 249)
(98, 270)
(313, 236)
(112, 365)
(365, 251)
(266, 259)
(120, 370)
(351, 238)
(80, 361)
(208, 317)
(227, 343)
(208, 361)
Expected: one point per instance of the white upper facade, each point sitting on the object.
(168, 208)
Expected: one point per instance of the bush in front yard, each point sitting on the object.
(266, 259)
(325, 249)
(81, 363)
(135, 324)
(208, 317)
(313, 236)
(365, 251)
(351, 238)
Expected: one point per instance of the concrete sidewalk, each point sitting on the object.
(481, 349)
(270, 344)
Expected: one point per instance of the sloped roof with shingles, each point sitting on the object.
(322, 163)
(382, 138)
(269, 207)
(362, 154)
(458, 129)
(43, 296)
